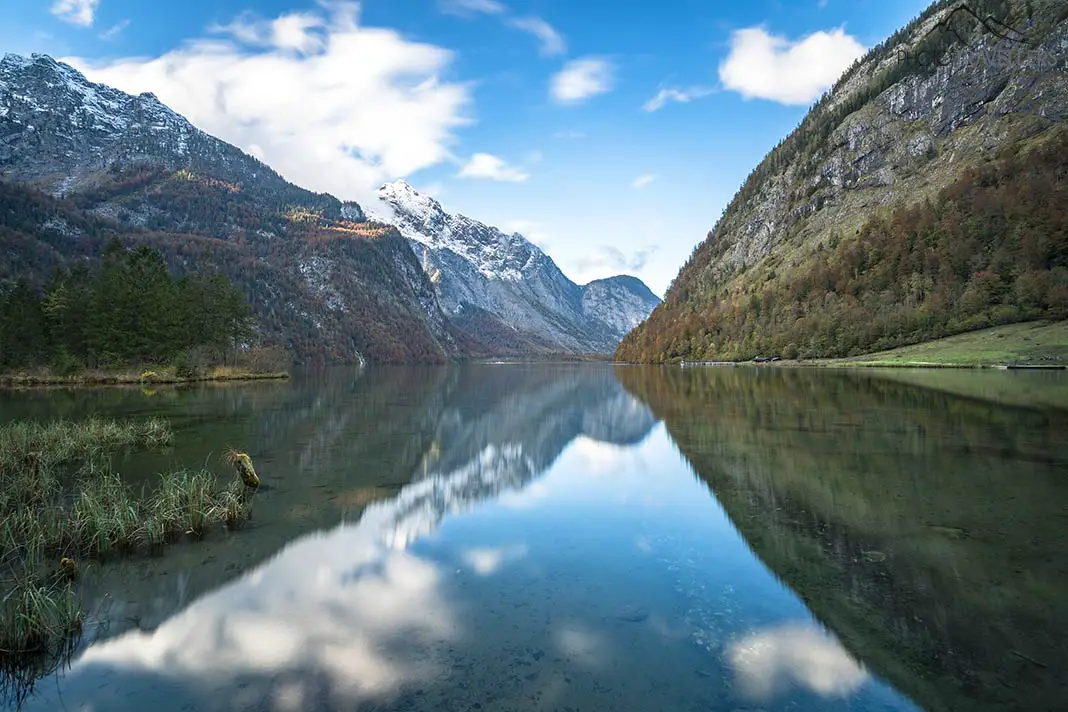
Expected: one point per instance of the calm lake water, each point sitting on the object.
(550, 537)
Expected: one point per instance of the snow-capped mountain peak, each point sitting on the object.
(85, 103)
(497, 283)
(401, 194)
(421, 219)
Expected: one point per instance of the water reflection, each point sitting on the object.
(331, 442)
(350, 614)
(333, 619)
(534, 537)
(770, 661)
(927, 530)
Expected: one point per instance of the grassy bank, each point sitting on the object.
(1039, 343)
(150, 376)
(61, 504)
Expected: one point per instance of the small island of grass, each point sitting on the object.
(159, 375)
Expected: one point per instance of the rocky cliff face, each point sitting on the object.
(63, 133)
(503, 292)
(962, 84)
(912, 137)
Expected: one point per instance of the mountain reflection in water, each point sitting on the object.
(536, 539)
(927, 530)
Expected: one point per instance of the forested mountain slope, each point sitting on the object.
(81, 163)
(924, 195)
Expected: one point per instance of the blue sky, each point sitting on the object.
(611, 133)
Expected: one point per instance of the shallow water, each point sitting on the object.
(521, 537)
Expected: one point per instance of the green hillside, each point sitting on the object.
(912, 203)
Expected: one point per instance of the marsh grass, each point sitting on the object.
(60, 503)
(105, 516)
(38, 447)
(188, 501)
(40, 626)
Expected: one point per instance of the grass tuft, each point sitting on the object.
(60, 502)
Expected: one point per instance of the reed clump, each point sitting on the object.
(60, 503)
(40, 626)
(32, 445)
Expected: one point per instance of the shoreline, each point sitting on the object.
(1022, 346)
(18, 381)
(834, 363)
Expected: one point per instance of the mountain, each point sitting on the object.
(81, 162)
(501, 291)
(923, 195)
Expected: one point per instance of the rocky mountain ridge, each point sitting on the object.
(491, 281)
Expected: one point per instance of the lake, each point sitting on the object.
(588, 537)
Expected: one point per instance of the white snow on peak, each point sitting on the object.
(421, 219)
(15, 61)
(402, 195)
(67, 91)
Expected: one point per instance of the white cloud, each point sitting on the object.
(298, 31)
(608, 261)
(466, 8)
(114, 31)
(643, 180)
(552, 42)
(669, 94)
(765, 66)
(489, 167)
(581, 79)
(76, 12)
(330, 104)
(600, 458)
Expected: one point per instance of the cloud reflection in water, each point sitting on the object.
(768, 662)
(364, 617)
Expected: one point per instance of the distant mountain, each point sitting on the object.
(83, 162)
(924, 195)
(501, 291)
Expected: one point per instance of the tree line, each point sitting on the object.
(125, 310)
